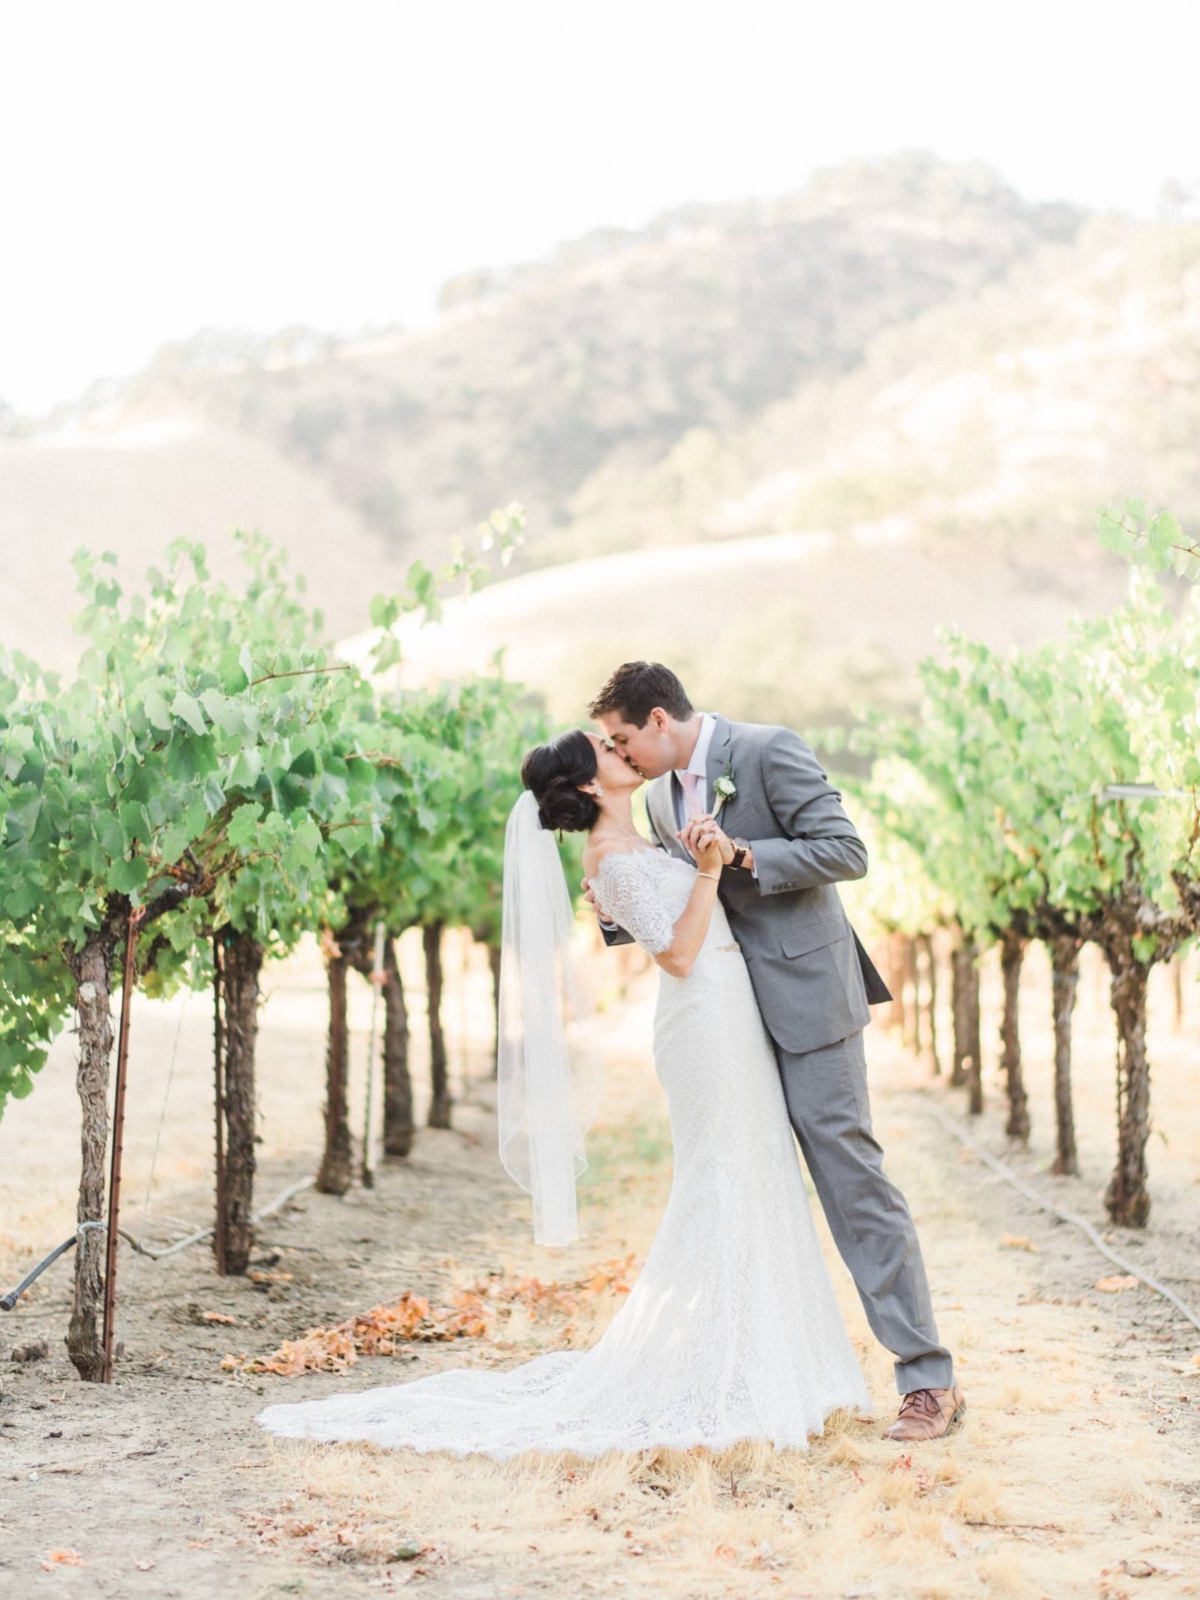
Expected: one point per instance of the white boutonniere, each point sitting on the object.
(724, 789)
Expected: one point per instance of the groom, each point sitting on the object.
(786, 842)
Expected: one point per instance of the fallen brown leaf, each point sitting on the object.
(1114, 1285)
(384, 1329)
(61, 1558)
(1018, 1241)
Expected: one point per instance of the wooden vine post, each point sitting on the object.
(219, 1231)
(1064, 984)
(493, 952)
(931, 995)
(129, 978)
(335, 1173)
(378, 978)
(398, 1127)
(974, 1059)
(242, 959)
(439, 1109)
(1012, 956)
(913, 978)
(91, 968)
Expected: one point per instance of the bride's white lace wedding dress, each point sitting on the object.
(732, 1330)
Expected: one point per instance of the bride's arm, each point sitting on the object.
(680, 954)
(628, 895)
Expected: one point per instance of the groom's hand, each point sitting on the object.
(706, 823)
(589, 896)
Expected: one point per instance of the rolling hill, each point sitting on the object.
(836, 419)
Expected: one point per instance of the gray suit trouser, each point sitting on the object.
(826, 1092)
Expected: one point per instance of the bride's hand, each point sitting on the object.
(705, 845)
(706, 842)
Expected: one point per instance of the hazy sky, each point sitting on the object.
(174, 165)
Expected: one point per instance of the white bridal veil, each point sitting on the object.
(549, 1070)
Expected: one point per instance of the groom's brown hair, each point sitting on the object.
(636, 688)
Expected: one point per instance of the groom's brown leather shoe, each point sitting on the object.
(927, 1414)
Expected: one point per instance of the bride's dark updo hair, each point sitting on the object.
(553, 772)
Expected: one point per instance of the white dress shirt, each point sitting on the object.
(699, 765)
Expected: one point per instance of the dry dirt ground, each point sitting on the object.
(1076, 1471)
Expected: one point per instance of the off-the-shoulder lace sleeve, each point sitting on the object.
(629, 894)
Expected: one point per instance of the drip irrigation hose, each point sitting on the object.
(1084, 1226)
(8, 1301)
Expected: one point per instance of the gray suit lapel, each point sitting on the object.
(660, 803)
(719, 750)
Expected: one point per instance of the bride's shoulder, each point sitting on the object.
(616, 858)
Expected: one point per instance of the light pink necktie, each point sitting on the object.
(691, 794)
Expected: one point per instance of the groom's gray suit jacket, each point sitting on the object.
(812, 977)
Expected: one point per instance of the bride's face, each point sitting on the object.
(612, 770)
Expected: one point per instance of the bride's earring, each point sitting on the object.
(598, 790)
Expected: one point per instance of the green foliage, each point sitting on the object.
(448, 765)
(211, 766)
(899, 891)
(1001, 786)
(190, 772)
(249, 729)
(489, 730)
(503, 533)
(1150, 539)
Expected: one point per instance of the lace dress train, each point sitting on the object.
(732, 1330)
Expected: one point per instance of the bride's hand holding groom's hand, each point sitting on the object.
(708, 845)
(707, 842)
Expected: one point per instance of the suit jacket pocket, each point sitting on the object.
(814, 936)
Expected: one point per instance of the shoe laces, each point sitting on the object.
(921, 1400)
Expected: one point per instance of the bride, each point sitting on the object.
(732, 1330)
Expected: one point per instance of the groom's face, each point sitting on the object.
(648, 750)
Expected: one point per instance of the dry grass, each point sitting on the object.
(1062, 1478)
(1049, 1480)
(1005, 1506)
